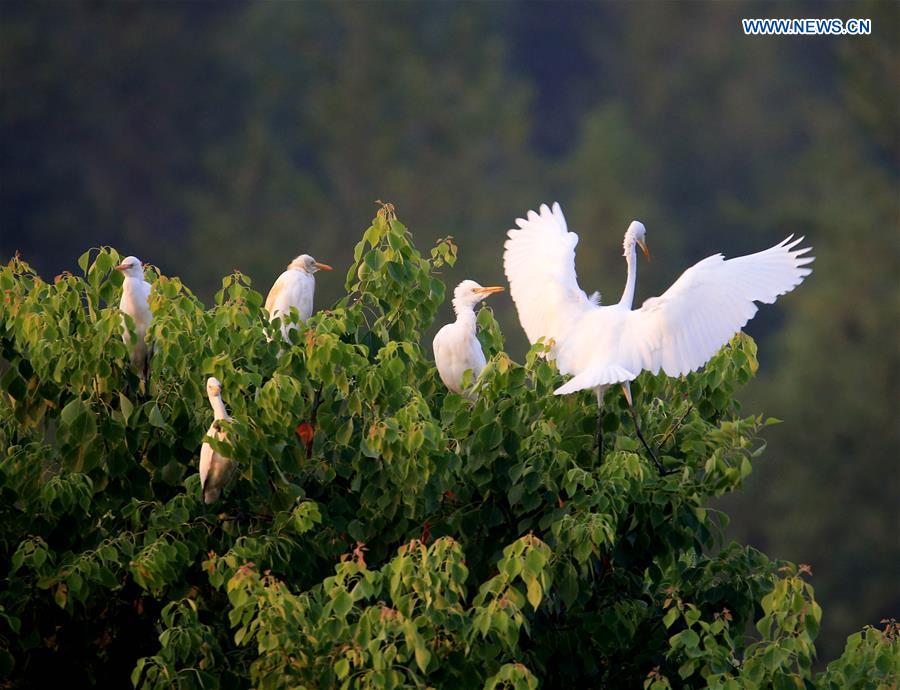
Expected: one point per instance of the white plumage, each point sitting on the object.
(539, 262)
(215, 469)
(134, 302)
(456, 347)
(294, 288)
(677, 332)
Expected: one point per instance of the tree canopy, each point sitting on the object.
(381, 532)
(208, 136)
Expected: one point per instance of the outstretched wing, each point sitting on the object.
(539, 261)
(682, 329)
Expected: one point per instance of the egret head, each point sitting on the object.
(469, 293)
(131, 267)
(636, 233)
(213, 387)
(305, 262)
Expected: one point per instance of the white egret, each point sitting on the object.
(294, 288)
(215, 469)
(677, 332)
(134, 302)
(456, 349)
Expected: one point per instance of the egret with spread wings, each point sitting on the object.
(677, 332)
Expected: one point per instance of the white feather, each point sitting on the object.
(294, 288)
(215, 469)
(456, 346)
(135, 303)
(677, 332)
(539, 261)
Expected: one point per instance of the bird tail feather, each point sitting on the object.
(596, 376)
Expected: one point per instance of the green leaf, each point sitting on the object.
(423, 656)
(156, 418)
(84, 261)
(125, 406)
(138, 671)
(687, 668)
(342, 603)
(74, 581)
(489, 436)
(38, 557)
(72, 411)
(535, 593)
(61, 595)
(344, 433)
(670, 617)
(534, 562)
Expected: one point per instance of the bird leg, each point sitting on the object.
(637, 427)
(600, 390)
(599, 439)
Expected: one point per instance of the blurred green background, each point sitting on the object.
(206, 137)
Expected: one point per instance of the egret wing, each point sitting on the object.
(539, 261)
(682, 329)
(206, 458)
(275, 298)
(442, 357)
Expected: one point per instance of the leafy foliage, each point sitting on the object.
(139, 117)
(381, 532)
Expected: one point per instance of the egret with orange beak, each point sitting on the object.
(456, 347)
(294, 289)
(134, 302)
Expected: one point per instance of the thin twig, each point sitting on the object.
(676, 426)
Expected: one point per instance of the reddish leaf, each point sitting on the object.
(306, 432)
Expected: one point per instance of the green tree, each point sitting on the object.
(759, 138)
(381, 532)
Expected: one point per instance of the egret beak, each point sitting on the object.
(643, 246)
(322, 267)
(488, 290)
(122, 267)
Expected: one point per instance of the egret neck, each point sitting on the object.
(464, 308)
(633, 236)
(219, 412)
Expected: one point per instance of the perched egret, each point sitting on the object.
(677, 332)
(135, 293)
(294, 288)
(215, 469)
(456, 349)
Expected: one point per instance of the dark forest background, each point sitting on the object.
(205, 137)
